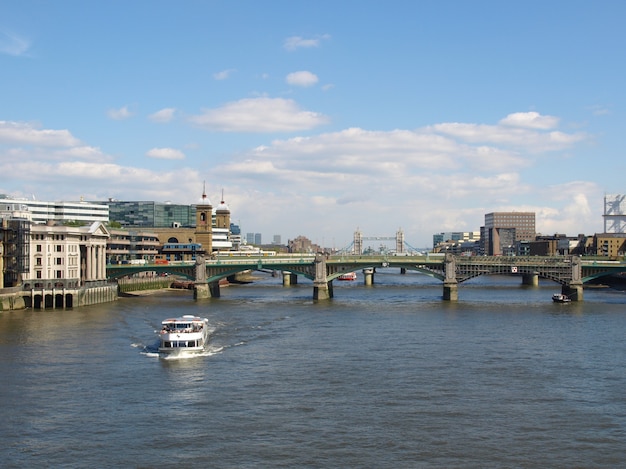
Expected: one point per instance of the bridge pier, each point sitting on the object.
(530, 279)
(204, 290)
(574, 291)
(450, 291)
(201, 291)
(289, 279)
(368, 277)
(322, 289)
(450, 283)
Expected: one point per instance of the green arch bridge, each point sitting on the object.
(569, 271)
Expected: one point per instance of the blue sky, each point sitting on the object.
(320, 117)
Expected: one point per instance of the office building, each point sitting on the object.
(456, 237)
(253, 238)
(148, 214)
(42, 212)
(15, 225)
(505, 232)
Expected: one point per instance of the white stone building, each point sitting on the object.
(66, 256)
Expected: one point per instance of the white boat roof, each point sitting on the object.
(186, 318)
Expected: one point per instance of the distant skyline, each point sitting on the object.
(320, 118)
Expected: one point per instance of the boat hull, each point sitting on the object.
(347, 277)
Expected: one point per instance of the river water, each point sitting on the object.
(382, 376)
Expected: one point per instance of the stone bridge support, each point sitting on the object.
(450, 283)
(368, 277)
(574, 289)
(322, 289)
(289, 279)
(204, 290)
(201, 288)
(530, 279)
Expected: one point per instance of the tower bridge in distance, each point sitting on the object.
(571, 272)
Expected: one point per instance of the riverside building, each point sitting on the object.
(149, 214)
(172, 224)
(507, 233)
(42, 212)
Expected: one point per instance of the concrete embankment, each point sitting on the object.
(143, 283)
(11, 298)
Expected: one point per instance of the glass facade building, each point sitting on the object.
(151, 214)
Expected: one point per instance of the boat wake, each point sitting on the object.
(208, 352)
(152, 351)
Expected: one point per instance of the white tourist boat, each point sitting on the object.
(186, 334)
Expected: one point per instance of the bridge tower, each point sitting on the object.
(400, 241)
(357, 245)
(204, 222)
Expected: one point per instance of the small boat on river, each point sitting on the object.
(183, 335)
(348, 276)
(561, 298)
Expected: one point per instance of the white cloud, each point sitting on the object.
(69, 180)
(12, 44)
(224, 74)
(531, 120)
(165, 154)
(27, 134)
(81, 152)
(297, 42)
(119, 114)
(425, 180)
(259, 115)
(163, 116)
(302, 78)
(438, 178)
(385, 153)
(529, 131)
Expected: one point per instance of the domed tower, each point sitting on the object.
(222, 215)
(204, 222)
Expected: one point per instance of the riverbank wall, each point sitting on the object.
(57, 298)
(127, 285)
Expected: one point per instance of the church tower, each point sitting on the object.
(204, 222)
(222, 215)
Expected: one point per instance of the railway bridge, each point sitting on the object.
(571, 272)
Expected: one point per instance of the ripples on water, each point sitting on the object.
(385, 376)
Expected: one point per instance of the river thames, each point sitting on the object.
(385, 376)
